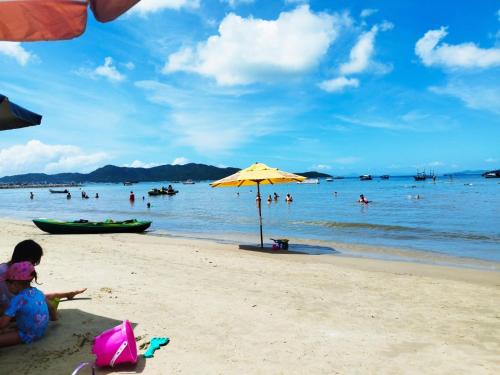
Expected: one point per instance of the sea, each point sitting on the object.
(457, 216)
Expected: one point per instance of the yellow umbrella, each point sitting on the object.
(258, 174)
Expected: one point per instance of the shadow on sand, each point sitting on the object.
(67, 343)
(293, 249)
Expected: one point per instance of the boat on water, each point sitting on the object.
(422, 176)
(338, 177)
(54, 191)
(492, 174)
(188, 182)
(366, 177)
(91, 227)
(309, 181)
(384, 177)
(329, 179)
(162, 191)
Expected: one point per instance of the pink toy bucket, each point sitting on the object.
(116, 345)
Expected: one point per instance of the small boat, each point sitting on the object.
(339, 177)
(188, 182)
(329, 179)
(492, 174)
(91, 227)
(309, 181)
(162, 191)
(366, 177)
(384, 177)
(65, 191)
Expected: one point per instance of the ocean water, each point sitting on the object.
(458, 216)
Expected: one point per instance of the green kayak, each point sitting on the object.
(91, 227)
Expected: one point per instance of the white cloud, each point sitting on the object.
(140, 164)
(248, 50)
(235, 3)
(130, 65)
(361, 53)
(107, 70)
(197, 121)
(338, 84)
(347, 160)
(35, 156)
(436, 164)
(368, 12)
(181, 160)
(145, 7)
(321, 167)
(16, 51)
(465, 55)
(491, 160)
(474, 93)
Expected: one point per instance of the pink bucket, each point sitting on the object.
(116, 345)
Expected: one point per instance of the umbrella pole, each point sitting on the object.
(260, 215)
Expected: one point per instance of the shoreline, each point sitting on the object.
(329, 248)
(228, 310)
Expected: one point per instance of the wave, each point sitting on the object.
(400, 229)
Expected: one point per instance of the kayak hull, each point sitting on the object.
(66, 227)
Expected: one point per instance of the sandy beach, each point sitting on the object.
(233, 311)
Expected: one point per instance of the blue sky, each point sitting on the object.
(335, 86)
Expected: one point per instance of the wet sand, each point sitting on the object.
(233, 311)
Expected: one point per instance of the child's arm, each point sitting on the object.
(4, 321)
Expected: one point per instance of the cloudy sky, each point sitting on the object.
(336, 86)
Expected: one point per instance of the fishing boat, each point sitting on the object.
(384, 177)
(162, 191)
(91, 227)
(329, 179)
(309, 181)
(366, 177)
(53, 191)
(492, 174)
(188, 182)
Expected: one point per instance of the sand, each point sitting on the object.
(233, 311)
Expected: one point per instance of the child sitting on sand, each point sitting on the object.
(28, 307)
(29, 251)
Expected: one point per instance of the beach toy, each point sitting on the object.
(155, 344)
(82, 365)
(116, 345)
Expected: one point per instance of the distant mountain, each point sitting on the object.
(112, 173)
(314, 174)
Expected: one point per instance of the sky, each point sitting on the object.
(341, 87)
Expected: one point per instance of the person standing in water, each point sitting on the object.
(132, 196)
(32, 195)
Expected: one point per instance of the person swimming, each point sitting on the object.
(269, 199)
(276, 196)
(289, 198)
(362, 199)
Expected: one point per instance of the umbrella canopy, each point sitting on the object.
(13, 116)
(258, 174)
(35, 20)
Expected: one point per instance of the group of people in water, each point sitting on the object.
(274, 197)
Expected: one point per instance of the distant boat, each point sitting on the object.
(310, 181)
(65, 191)
(329, 179)
(188, 182)
(162, 191)
(492, 174)
(365, 177)
(422, 176)
(338, 177)
(384, 177)
(127, 183)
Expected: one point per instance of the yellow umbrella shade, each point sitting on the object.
(258, 173)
